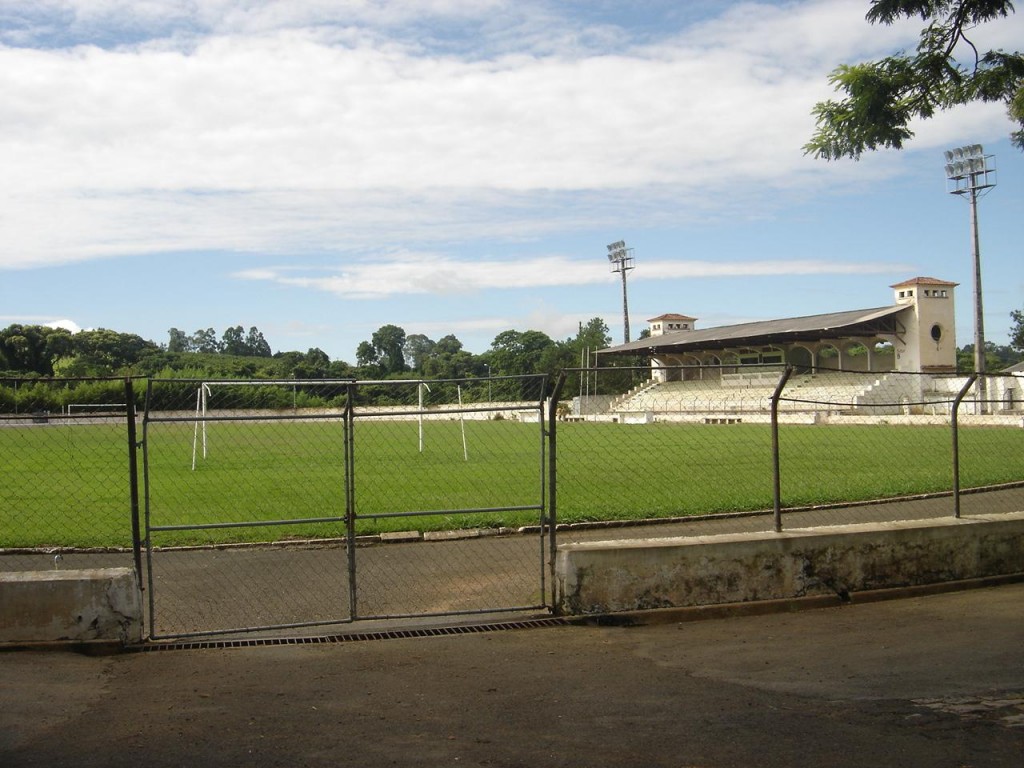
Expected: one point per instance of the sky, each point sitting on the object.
(320, 168)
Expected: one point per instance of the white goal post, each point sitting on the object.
(201, 395)
(204, 390)
(462, 418)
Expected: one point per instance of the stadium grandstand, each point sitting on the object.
(891, 359)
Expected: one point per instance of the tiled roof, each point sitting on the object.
(924, 280)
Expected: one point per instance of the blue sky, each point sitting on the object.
(319, 168)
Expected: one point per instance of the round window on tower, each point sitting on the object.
(936, 332)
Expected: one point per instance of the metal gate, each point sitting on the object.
(279, 505)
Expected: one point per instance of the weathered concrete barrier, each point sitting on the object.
(609, 576)
(76, 606)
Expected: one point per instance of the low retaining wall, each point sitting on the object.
(609, 576)
(75, 606)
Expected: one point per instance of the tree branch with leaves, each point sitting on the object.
(1017, 330)
(947, 70)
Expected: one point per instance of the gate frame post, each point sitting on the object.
(553, 485)
(133, 476)
(349, 474)
(776, 468)
(145, 540)
(955, 429)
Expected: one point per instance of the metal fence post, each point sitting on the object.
(350, 500)
(146, 508)
(954, 428)
(776, 471)
(133, 475)
(553, 483)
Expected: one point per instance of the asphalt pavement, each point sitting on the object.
(934, 681)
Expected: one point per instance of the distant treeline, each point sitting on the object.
(30, 352)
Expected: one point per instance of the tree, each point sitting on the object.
(339, 369)
(578, 352)
(206, 342)
(996, 357)
(882, 97)
(366, 355)
(518, 353)
(101, 352)
(314, 364)
(233, 341)
(1017, 330)
(448, 360)
(417, 349)
(448, 345)
(178, 341)
(33, 348)
(236, 341)
(256, 345)
(385, 350)
(317, 359)
(592, 335)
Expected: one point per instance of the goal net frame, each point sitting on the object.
(203, 392)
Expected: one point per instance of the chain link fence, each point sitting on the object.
(989, 439)
(67, 448)
(307, 503)
(749, 446)
(253, 504)
(244, 504)
(461, 465)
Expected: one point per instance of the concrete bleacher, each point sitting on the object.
(697, 396)
(750, 392)
(831, 388)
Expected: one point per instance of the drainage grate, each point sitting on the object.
(351, 637)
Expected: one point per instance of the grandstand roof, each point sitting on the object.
(834, 325)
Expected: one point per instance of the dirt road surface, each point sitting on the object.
(930, 681)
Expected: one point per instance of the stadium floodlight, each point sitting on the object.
(971, 173)
(621, 259)
(969, 169)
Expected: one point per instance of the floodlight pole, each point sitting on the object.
(968, 173)
(621, 259)
(979, 314)
(625, 308)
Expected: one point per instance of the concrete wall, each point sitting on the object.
(99, 604)
(603, 577)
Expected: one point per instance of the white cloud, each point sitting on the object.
(287, 112)
(412, 275)
(69, 325)
(243, 126)
(482, 325)
(665, 269)
(424, 274)
(46, 320)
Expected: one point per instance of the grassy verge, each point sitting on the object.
(68, 485)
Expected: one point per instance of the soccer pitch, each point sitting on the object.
(68, 485)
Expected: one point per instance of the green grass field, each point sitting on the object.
(68, 485)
